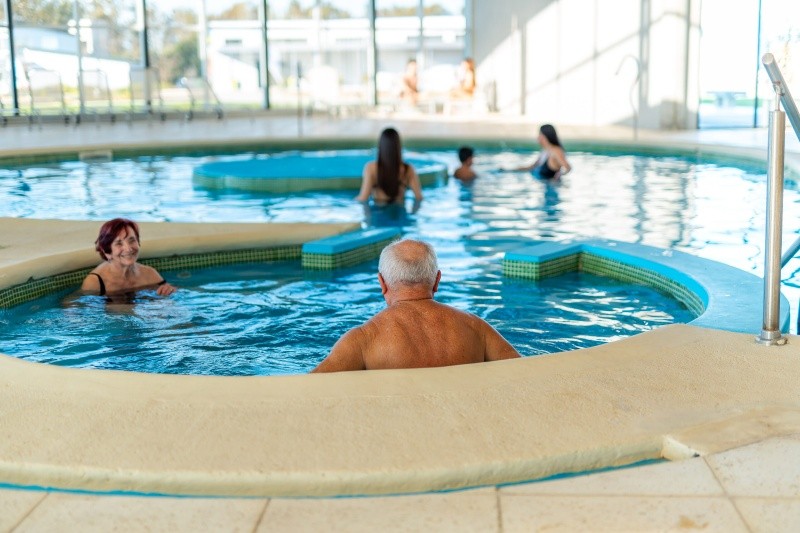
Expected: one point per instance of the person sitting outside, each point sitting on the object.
(414, 331)
(466, 80)
(410, 90)
(388, 177)
(465, 173)
(118, 246)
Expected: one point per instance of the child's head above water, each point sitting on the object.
(464, 153)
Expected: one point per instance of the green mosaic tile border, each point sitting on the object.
(349, 258)
(610, 268)
(36, 288)
(603, 266)
(544, 269)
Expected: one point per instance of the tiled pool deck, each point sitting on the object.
(677, 389)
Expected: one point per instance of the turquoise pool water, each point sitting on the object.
(274, 318)
(694, 205)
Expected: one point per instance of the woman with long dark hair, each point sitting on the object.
(552, 162)
(388, 177)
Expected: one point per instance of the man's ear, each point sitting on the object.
(436, 283)
(384, 286)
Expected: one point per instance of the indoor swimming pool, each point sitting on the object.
(694, 205)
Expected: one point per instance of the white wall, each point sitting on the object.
(576, 61)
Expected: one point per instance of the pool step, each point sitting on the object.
(347, 249)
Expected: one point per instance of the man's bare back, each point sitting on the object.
(415, 331)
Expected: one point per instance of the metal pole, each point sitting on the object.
(263, 51)
(770, 330)
(76, 13)
(372, 55)
(12, 58)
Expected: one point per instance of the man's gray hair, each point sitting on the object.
(399, 265)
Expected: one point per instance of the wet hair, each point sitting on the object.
(390, 161)
(464, 153)
(550, 134)
(109, 232)
(408, 267)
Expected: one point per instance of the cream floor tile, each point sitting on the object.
(769, 468)
(15, 504)
(528, 514)
(77, 512)
(691, 477)
(457, 512)
(766, 515)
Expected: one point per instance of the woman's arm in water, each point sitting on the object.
(367, 182)
(414, 184)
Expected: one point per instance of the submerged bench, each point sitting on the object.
(347, 249)
(722, 297)
(310, 171)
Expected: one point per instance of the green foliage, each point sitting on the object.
(42, 12)
(183, 59)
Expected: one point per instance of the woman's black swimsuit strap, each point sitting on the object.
(545, 172)
(102, 284)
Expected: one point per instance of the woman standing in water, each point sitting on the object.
(552, 162)
(388, 177)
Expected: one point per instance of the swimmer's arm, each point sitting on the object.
(91, 284)
(150, 276)
(496, 346)
(346, 354)
(414, 184)
(561, 158)
(366, 183)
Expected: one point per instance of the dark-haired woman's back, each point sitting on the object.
(407, 177)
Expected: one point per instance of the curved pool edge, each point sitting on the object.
(671, 392)
(723, 297)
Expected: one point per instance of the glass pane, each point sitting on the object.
(46, 49)
(400, 58)
(235, 47)
(318, 53)
(175, 49)
(110, 39)
(443, 30)
(728, 59)
(780, 36)
(6, 102)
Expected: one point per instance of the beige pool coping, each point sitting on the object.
(675, 392)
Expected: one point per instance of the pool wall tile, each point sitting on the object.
(36, 288)
(722, 297)
(348, 249)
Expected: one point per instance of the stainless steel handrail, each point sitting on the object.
(770, 329)
(774, 73)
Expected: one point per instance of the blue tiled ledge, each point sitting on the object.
(347, 249)
(724, 297)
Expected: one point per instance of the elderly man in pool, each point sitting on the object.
(415, 331)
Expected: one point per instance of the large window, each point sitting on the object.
(87, 56)
(734, 89)
(431, 33)
(6, 98)
(318, 53)
(780, 35)
(235, 52)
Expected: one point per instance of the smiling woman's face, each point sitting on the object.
(124, 248)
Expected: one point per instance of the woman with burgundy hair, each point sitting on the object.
(118, 246)
(388, 177)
